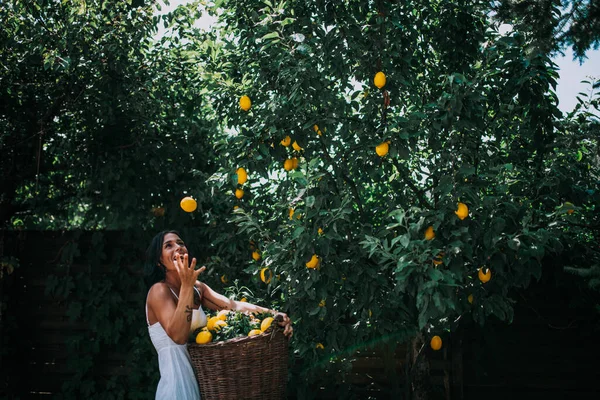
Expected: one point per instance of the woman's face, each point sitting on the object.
(172, 247)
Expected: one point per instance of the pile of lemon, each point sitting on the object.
(228, 324)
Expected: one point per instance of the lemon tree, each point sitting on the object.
(422, 179)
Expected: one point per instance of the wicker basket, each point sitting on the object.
(253, 367)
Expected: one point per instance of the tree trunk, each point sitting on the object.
(419, 370)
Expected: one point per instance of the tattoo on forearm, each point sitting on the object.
(188, 311)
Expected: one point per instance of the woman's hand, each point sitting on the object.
(187, 273)
(284, 321)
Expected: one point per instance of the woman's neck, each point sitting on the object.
(173, 281)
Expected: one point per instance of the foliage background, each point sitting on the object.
(104, 128)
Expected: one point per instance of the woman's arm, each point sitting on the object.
(218, 302)
(175, 319)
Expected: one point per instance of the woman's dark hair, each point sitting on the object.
(154, 271)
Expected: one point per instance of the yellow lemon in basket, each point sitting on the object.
(222, 315)
(210, 324)
(436, 343)
(188, 204)
(245, 103)
(219, 324)
(266, 323)
(254, 332)
(203, 337)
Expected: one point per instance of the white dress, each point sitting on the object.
(177, 378)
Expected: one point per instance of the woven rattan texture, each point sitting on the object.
(246, 368)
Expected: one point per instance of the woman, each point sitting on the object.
(174, 309)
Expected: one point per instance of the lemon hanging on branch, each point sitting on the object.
(314, 262)
(296, 146)
(188, 204)
(256, 255)
(379, 80)
(382, 149)
(485, 277)
(266, 275)
(239, 193)
(242, 175)
(462, 212)
(286, 141)
(429, 233)
(316, 129)
(245, 103)
(436, 343)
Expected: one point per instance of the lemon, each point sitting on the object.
(243, 300)
(462, 212)
(286, 141)
(436, 343)
(470, 299)
(438, 260)
(219, 324)
(254, 332)
(320, 231)
(188, 204)
(570, 207)
(319, 346)
(322, 303)
(235, 207)
(266, 323)
(263, 275)
(429, 233)
(379, 79)
(291, 213)
(222, 315)
(242, 175)
(203, 337)
(239, 193)
(224, 279)
(210, 324)
(245, 103)
(294, 163)
(288, 164)
(314, 262)
(256, 255)
(316, 129)
(296, 146)
(382, 149)
(485, 277)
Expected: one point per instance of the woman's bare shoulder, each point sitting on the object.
(158, 291)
